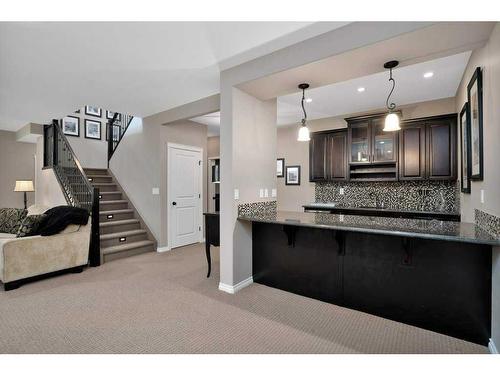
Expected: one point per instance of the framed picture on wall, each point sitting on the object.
(71, 126)
(280, 167)
(109, 115)
(465, 147)
(93, 111)
(92, 129)
(475, 99)
(292, 175)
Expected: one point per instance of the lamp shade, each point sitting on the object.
(392, 123)
(24, 185)
(303, 134)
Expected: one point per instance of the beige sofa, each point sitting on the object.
(29, 257)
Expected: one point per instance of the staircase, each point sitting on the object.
(122, 233)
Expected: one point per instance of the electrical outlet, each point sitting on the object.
(273, 193)
(482, 196)
(341, 191)
(261, 193)
(236, 194)
(266, 193)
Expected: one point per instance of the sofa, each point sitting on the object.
(28, 258)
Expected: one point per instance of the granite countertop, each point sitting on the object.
(335, 206)
(418, 228)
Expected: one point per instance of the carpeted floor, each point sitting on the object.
(163, 303)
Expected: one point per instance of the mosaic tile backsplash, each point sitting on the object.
(488, 222)
(442, 196)
(257, 208)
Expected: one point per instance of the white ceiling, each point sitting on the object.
(411, 87)
(343, 98)
(49, 69)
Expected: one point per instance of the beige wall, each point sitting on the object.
(213, 147)
(185, 133)
(48, 191)
(17, 162)
(292, 198)
(140, 164)
(92, 153)
(488, 58)
(136, 166)
(248, 149)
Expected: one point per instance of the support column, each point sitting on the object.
(248, 164)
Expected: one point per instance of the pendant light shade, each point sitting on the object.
(303, 134)
(303, 131)
(392, 119)
(391, 123)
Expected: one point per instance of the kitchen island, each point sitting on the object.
(432, 274)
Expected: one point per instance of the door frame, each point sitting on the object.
(171, 146)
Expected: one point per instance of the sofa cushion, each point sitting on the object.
(30, 226)
(58, 218)
(7, 236)
(10, 219)
(37, 209)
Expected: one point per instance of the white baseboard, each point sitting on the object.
(231, 289)
(162, 249)
(491, 346)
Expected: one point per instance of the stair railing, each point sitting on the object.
(75, 185)
(116, 128)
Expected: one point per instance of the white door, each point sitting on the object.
(184, 195)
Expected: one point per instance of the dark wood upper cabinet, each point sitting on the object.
(441, 149)
(428, 149)
(424, 149)
(317, 157)
(337, 155)
(412, 152)
(327, 156)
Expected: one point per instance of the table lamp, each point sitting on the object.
(24, 186)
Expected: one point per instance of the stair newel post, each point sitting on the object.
(95, 246)
(110, 140)
(54, 150)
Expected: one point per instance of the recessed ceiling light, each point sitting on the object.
(361, 89)
(309, 100)
(428, 74)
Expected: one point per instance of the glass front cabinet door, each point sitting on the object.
(360, 145)
(384, 143)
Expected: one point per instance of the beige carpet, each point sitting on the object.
(162, 303)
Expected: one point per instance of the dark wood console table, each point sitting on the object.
(212, 225)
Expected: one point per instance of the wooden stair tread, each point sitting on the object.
(123, 211)
(123, 234)
(109, 192)
(126, 246)
(119, 222)
(104, 183)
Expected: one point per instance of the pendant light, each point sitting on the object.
(303, 131)
(392, 119)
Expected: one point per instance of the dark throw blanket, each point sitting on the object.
(58, 218)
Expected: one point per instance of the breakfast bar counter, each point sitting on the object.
(431, 274)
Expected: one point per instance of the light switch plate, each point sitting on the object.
(261, 193)
(341, 191)
(273, 193)
(482, 195)
(266, 193)
(156, 191)
(236, 194)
